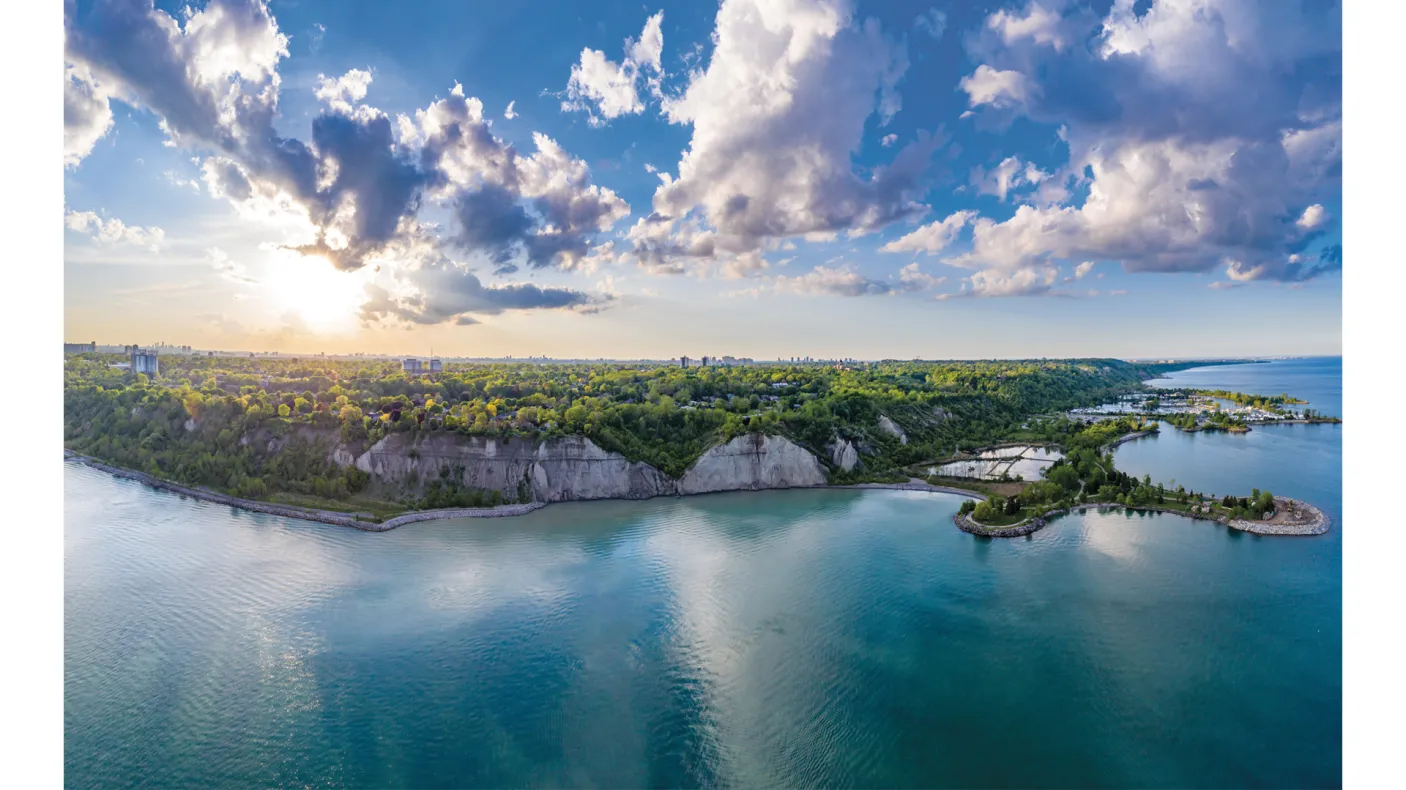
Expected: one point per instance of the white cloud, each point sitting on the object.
(915, 279)
(342, 93)
(1009, 175)
(600, 81)
(663, 247)
(1083, 269)
(491, 187)
(1313, 217)
(212, 81)
(211, 78)
(86, 114)
(1039, 24)
(226, 268)
(776, 115)
(1023, 282)
(649, 48)
(427, 287)
(932, 21)
(826, 281)
(1207, 137)
(888, 140)
(1002, 89)
(747, 264)
(933, 237)
(114, 230)
(601, 255)
(176, 179)
(605, 89)
(508, 114)
(845, 281)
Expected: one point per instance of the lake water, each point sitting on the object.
(1318, 380)
(795, 638)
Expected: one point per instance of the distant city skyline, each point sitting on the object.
(694, 361)
(841, 178)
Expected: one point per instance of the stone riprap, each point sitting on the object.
(1027, 527)
(1312, 523)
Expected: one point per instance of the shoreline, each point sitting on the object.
(340, 519)
(292, 511)
(1316, 526)
(1128, 437)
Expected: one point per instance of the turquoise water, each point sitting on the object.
(799, 638)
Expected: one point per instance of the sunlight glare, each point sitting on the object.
(326, 299)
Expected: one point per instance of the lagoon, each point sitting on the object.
(817, 637)
(1017, 461)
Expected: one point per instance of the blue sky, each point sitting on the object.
(870, 179)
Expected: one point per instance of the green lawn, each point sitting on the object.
(1169, 504)
(1003, 520)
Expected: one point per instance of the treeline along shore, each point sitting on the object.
(363, 444)
(363, 523)
(1311, 521)
(306, 514)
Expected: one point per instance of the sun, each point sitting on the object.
(326, 299)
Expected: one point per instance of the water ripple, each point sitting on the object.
(800, 638)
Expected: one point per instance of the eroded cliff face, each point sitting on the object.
(891, 428)
(556, 470)
(574, 467)
(750, 462)
(843, 454)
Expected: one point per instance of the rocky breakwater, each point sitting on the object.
(1291, 517)
(966, 524)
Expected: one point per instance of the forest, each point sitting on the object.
(1085, 476)
(259, 426)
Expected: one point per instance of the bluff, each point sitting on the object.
(574, 468)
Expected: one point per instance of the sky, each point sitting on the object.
(830, 178)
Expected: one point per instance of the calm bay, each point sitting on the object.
(791, 638)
